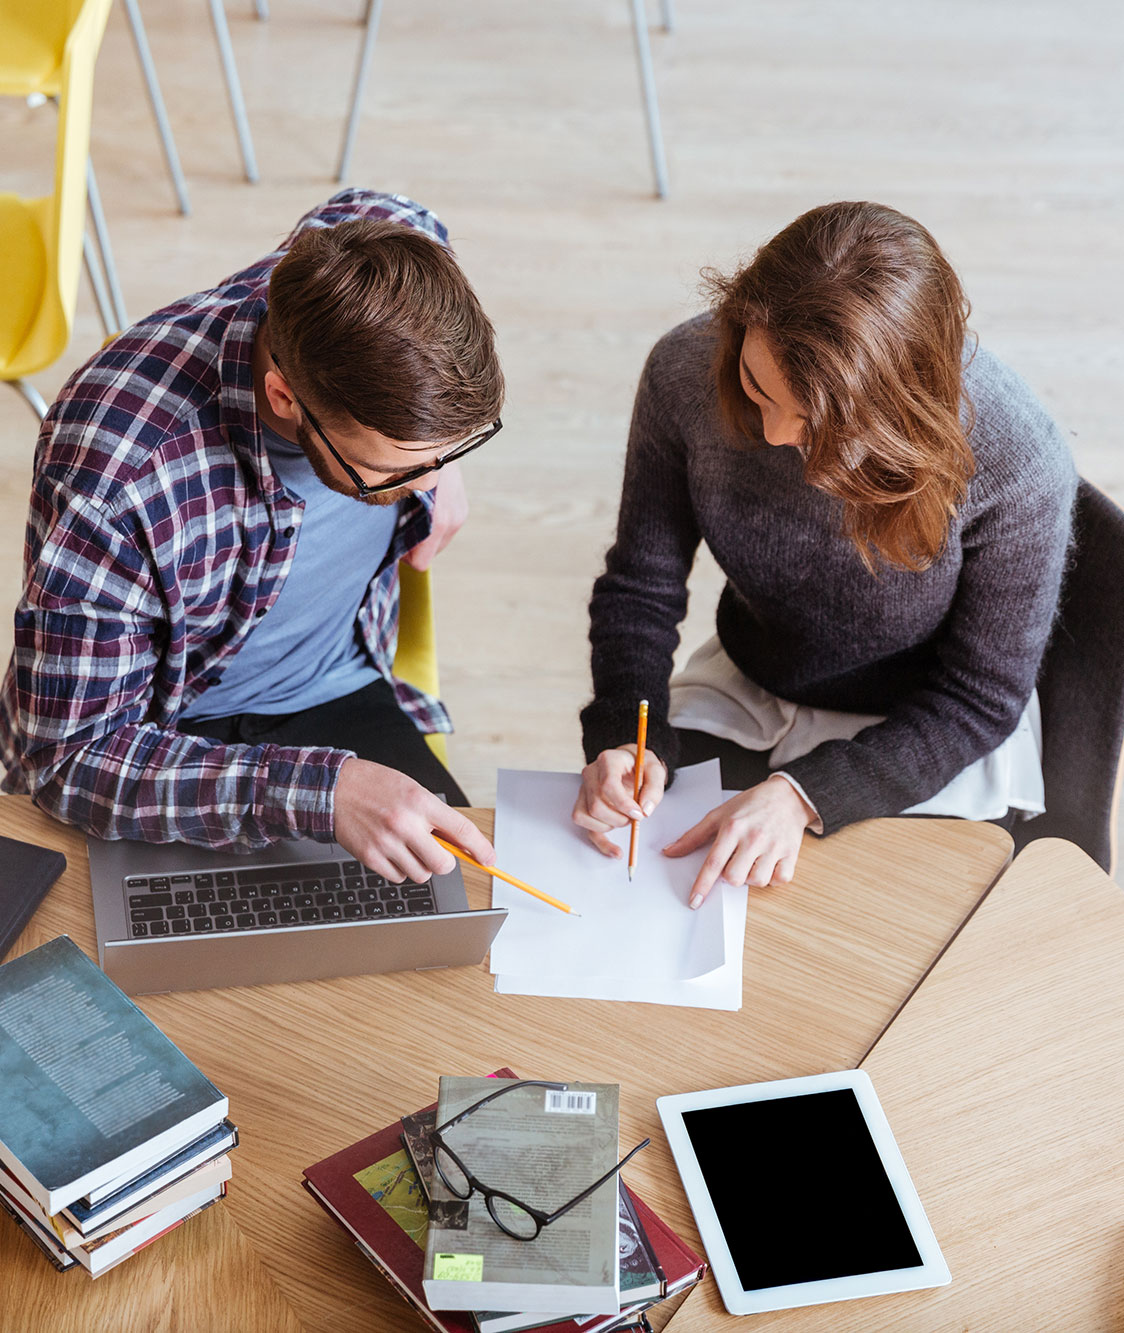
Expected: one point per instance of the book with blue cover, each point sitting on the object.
(90, 1089)
(212, 1144)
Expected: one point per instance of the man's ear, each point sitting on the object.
(281, 399)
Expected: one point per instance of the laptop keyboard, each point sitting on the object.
(296, 895)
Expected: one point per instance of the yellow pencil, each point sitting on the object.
(507, 879)
(641, 739)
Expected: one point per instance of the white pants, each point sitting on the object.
(713, 696)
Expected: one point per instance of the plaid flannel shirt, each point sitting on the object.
(157, 537)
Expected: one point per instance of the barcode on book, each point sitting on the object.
(573, 1103)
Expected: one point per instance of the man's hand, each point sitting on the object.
(605, 801)
(386, 820)
(450, 509)
(756, 838)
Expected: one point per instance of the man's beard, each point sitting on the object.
(320, 467)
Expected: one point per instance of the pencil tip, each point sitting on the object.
(630, 874)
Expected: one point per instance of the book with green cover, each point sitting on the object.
(542, 1147)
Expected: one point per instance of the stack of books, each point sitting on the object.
(609, 1264)
(109, 1135)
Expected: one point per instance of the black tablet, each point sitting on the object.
(800, 1193)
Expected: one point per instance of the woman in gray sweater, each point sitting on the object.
(891, 508)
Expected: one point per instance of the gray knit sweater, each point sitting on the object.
(949, 656)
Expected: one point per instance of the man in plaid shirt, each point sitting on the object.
(221, 496)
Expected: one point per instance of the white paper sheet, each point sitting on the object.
(720, 989)
(634, 940)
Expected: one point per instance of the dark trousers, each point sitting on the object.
(369, 722)
(743, 768)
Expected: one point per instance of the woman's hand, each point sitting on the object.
(756, 838)
(606, 802)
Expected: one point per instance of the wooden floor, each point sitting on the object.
(997, 125)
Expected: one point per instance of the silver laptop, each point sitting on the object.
(173, 917)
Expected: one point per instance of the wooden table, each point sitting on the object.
(1003, 1081)
(311, 1067)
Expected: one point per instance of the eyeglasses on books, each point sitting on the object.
(513, 1217)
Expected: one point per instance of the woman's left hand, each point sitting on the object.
(756, 838)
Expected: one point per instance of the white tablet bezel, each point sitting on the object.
(933, 1271)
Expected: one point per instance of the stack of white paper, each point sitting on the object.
(633, 940)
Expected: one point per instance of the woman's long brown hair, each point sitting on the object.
(867, 322)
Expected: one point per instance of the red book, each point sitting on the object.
(372, 1190)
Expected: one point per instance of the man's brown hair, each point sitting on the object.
(375, 321)
(867, 322)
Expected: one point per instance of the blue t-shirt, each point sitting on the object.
(306, 650)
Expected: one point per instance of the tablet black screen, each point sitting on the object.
(799, 1189)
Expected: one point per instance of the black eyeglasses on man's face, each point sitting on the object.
(400, 478)
(513, 1217)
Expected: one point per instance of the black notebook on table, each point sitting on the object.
(26, 874)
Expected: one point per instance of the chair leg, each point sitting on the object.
(31, 395)
(371, 30)
(101, 233)
(156, 99)
(261, 9)
(234, 90)
(648, 85)
(667, 14)
(97, 282)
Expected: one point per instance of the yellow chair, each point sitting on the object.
(33, 41)
(41, 240)
(34, 36)
(415, 660)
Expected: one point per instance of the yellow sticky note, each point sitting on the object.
(458, 1267)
